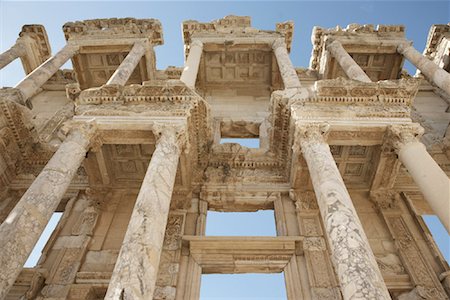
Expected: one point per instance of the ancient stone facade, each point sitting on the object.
(353, 151)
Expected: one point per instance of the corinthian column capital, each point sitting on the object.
(85, 134)
(170, 134)
(279, 43)
(402, 134)
(312, 132)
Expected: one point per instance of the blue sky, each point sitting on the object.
(417, 16)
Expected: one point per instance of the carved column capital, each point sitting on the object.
(85, 134)
(279, 43)
(402, 134)
(170, 134)
(312, 132)
(196, 43)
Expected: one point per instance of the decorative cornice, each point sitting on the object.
(435, 36)
(115, 28)
(171, 91)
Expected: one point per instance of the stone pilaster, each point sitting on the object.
(347, 63)
(17, 50)
(136, 269)
(432, 72)
(126, 68)
(322, 278)
(33, 81)
(287, 70)
(24, 225)
(355, 264)
(424, 279)
(429, 177)
(189, 75)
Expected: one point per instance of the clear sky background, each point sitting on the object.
(417, 16)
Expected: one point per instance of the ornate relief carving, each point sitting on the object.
(428, 285)
(174, 232)
(385, 198)
(390, 264)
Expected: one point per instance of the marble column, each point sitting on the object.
(33, 81)
(347, 63)
(126, 68)
(354, 261)
(287, 70)
(189, 75)
(16, 51)
(432, 72)
(136, 269)
(429, 177)
(26, 222)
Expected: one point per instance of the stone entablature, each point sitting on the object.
(234, 29)
(435, 36)
(124, 28)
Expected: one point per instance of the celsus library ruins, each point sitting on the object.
(351, 152)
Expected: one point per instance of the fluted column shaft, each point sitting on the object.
(26, 222)
(287, 70)
(355, 264)
(432, 72)
(429, 177)
(126, 68)
(347, 63)
(33, 81)
(189, 75)
(16, 51)
(136, 269)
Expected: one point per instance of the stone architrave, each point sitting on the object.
(429, 177)
(26, 222)
(189, 75)
(33, 81)
(347, 63)
(287, 70)
(432, 72)
(136, 269)
(126, 68)
(354, 261)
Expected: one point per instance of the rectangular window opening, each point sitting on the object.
(43, 239)
(259, 223)
(243, 286)
(439, 233)
(246, 142)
